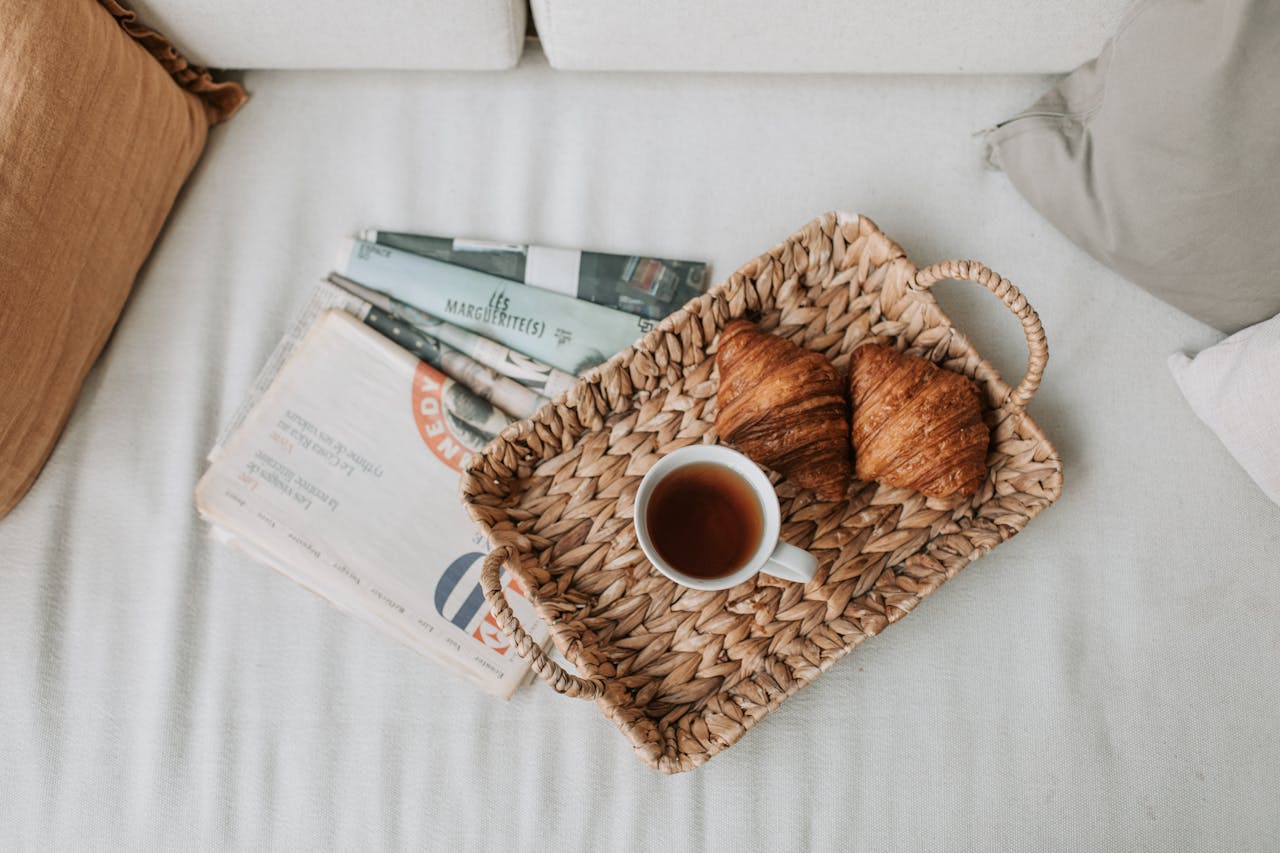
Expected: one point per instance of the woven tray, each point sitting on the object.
(685, 673)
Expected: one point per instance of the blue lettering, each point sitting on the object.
(449, 582)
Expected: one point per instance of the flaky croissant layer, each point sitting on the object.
(916, 425)
(785, 407)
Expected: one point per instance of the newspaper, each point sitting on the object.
(513, 403)
(513, 399)
(343, 476)
(541, 377)
(568, 334)
(424, 337)
(324, 297)
(646, 287)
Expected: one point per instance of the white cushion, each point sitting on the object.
(872, 36)
(413, 34)
(1105, 679)
(1234, 387)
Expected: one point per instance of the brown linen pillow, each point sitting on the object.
(101, 121)
(1161, 157)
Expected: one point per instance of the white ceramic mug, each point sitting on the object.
(771, 554)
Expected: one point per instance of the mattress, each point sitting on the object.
(1104, 681)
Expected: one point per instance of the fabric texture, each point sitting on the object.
(1104, 681)
(1161, 157)
(867, 37)
(1234, 387)
(95, 142)
(404, 34)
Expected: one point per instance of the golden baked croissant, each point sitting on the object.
(915, 425)
(784, 407)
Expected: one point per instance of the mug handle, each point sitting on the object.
(791, 563)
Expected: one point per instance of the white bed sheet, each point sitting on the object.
(1105, 681)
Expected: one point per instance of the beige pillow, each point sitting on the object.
(101, 121)
(1161, 157)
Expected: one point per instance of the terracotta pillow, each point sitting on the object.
(101, 121)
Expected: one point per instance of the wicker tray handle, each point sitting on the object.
(1018, 398)
(551, 672)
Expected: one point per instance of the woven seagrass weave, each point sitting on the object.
(685, 673)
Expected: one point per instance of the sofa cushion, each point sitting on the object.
(1160, 157)
(96, 138)
(162, 691)
(159, 687)
(870, 36)
(409, 34)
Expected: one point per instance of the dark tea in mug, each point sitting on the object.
(704, 520)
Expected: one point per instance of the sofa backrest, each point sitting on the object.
(422, 34)
(863, 36)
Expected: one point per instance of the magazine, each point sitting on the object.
(517, 384)
(566, 333)
(646, 287)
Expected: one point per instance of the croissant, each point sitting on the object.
(915, 425)
(784, 407)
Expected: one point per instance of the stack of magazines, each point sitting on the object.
(341, 467)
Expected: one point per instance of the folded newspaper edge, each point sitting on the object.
(322, 298)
